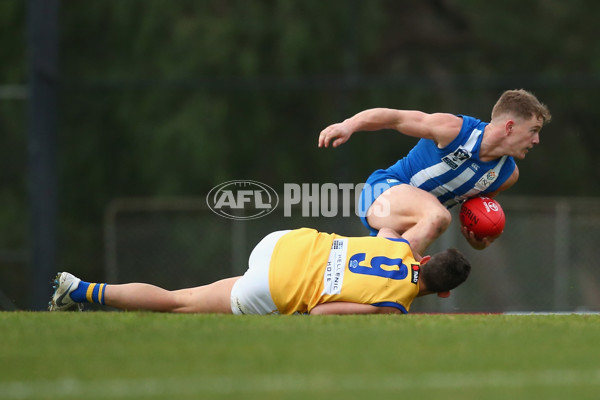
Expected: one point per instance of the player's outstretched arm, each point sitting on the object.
(440, 127)
(341, 307)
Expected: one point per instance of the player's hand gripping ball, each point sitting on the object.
(483, 216)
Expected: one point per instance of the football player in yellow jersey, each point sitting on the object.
(300, 271)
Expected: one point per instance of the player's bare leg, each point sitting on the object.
(212, 298)
(414, 214)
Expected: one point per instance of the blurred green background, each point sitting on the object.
(170, 98)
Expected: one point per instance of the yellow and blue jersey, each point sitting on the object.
(309, 268)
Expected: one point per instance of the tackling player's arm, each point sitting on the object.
(392, 234)
(340, 307)
(388, 233)
(439, 127)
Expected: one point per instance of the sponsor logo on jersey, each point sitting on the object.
(457, 158)
(415, 273)
(486, 180)
(334, 271)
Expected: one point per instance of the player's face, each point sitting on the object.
(526, 134)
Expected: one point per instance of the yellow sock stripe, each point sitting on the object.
(89, 292)
(101, 293)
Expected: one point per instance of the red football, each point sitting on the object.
(483, 216)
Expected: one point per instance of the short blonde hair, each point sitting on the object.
(521, 103)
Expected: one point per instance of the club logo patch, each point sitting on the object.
(457, 158)
(415, 273)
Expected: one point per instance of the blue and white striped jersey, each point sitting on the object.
(453, 173)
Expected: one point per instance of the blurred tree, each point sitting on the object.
(171, 98)
(14, 221)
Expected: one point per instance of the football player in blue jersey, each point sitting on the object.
(457, 157)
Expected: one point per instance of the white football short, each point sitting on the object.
(251, 293)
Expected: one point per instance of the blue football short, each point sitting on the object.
(379, 181)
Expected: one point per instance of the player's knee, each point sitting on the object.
(439, 219)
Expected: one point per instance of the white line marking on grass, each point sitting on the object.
(265, 383)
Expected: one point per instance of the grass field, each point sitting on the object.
(143, 355)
